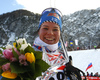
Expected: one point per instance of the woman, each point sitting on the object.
(49, 35)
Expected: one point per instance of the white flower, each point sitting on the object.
(21, 41)
(23, 46)
(9, 46)
(29, 44)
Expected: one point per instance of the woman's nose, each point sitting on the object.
(50, 32)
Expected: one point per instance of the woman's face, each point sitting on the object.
(49, 32)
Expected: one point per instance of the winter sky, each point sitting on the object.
(37, 6)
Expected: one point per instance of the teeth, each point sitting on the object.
(49, 39)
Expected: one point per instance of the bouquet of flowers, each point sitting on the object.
(21, 62)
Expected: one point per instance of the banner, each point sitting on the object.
(71, 43)
(91, 78)
(76, 42)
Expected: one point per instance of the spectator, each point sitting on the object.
(78, 48)
(95, 47)
(70, 59)
(96, 74)
(91, 74)
(87, 74)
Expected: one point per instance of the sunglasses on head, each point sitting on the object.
(52, 9)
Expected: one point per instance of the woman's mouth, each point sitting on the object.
(49, 39)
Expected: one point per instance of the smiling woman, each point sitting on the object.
(49, 33)
(49, 37)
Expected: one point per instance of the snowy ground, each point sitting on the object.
(82, 58)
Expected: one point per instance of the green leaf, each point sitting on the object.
(0, 51)
(38, 54)
(27, 76)
(3, 61)
(29, 49)
(38, 71)
(40, 66)
(15, 54)
(44, 66)
(32, 67)
(17, 68)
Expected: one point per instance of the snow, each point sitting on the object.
(82, 58)
(12, 37)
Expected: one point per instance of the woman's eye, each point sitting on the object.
(45, 28)
(55, 29)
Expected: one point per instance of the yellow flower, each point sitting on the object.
(8, 74)
(14, 44)
(30, 57)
